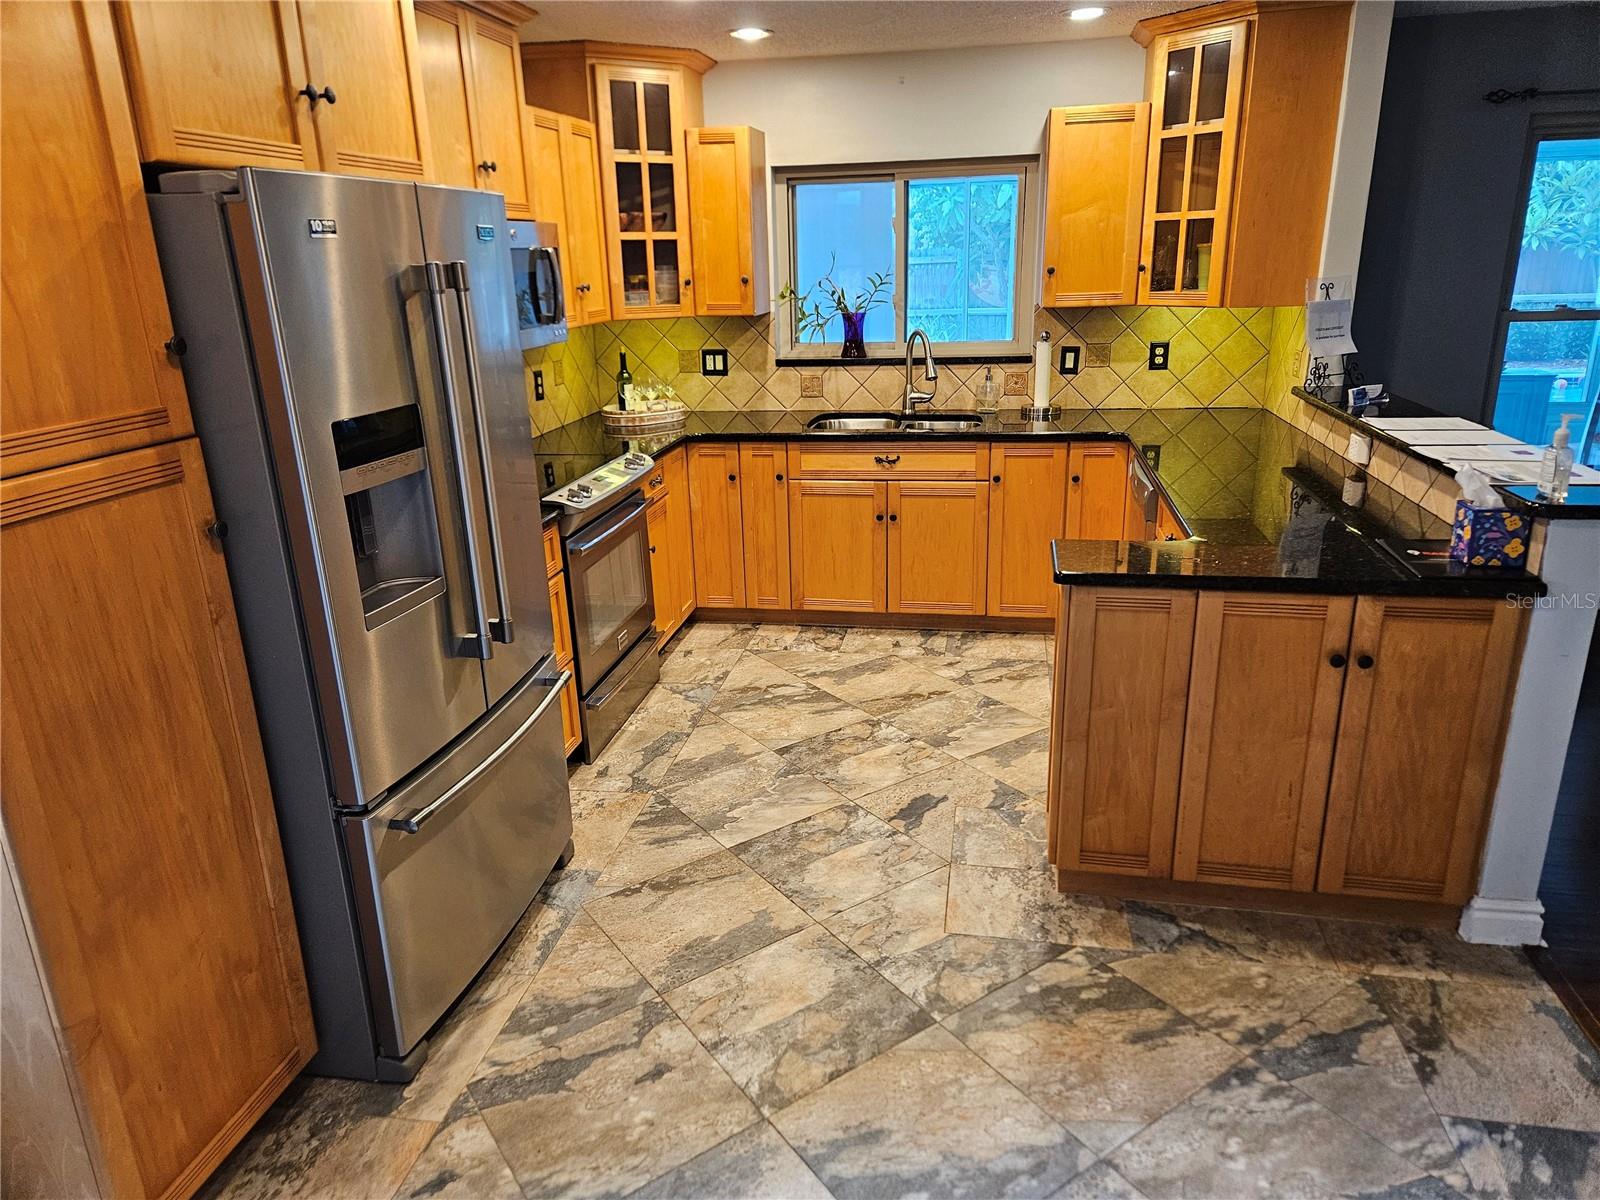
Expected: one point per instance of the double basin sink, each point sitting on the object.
(921, 423)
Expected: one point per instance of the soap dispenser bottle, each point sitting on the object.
(1555, 471)
(988, 393)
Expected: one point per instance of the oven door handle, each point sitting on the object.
(501, 629)
(634, 510)
(477, 643)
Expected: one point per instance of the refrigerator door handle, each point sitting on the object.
(501, 628)
(413, 822)
(476, 644)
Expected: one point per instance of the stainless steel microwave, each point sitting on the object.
(536, 274)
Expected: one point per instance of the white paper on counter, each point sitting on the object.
(1454, 437)
(1402, 424)
(1480, 454)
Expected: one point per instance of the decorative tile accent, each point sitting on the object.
(1016, 383)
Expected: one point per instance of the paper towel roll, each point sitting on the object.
(1041, 371)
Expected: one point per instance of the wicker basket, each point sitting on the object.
(632, 421)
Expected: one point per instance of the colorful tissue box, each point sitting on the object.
(1489, 537)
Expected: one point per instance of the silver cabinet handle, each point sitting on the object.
(415, 822)
(476, 644)
(500, 630)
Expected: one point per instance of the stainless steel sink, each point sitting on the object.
(939, 424)
(853, 423)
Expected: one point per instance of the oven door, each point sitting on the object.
(613, 603)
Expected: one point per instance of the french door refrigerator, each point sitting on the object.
(351, 352)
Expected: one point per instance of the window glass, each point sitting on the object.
(961, 257)
(850, 229)
(1560, 258)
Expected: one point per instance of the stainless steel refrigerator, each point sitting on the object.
(351, 352)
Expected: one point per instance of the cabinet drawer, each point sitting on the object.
(888, 460)
(655, 483)
(552, 549)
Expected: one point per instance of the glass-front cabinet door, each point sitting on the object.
(1196, 89)
(641, 122)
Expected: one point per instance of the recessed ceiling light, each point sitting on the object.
(750, 33)
(1086, 14)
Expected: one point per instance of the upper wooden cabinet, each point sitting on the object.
(728, 215)
(1245, 102)
(1409, 797)
(137, 809)
(564, 178)
(81, 267)
(225, 84)
(472, 82)
(1094, 197)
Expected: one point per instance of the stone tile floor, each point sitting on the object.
(809, 946)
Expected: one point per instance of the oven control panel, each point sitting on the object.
(589, 490)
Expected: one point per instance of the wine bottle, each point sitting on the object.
(624, 385)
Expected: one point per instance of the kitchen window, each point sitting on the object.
(1550, 322)
(951, 238)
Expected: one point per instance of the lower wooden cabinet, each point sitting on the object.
(671, 558)
(764, 513)
(138, 817)
(1027, 510)
(1120, 709)
(1425, 699)
(571, 718)
(1327, 743)
(938, 547)
(1258, 742)
(716, 516)
(1097, 489)
(838, 547)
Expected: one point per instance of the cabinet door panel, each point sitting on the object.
(80, 259)
(367, 53)
(497, 89)
(661, 565)
(1097, 490)
(136, 800)
(584, 248)
(215, 84)
(675, 469)
(571, 718)
(727, 204)
(1255, 771)
(716, 516)
(445, 59)
(1094, 199)
(1418, 746)
(1120, 732)
(1027, 510)
(764, 499)
(938, 547)
(838, 556)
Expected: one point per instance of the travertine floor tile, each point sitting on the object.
(1371, 949)
(862, 758)
(756, 1164)
(1011, 903)
(661, 838)
(461, 1162)
(965, 723)
(1526, 1162)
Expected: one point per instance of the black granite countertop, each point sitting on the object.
(1261, 497)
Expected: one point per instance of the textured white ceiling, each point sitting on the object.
(808, 28)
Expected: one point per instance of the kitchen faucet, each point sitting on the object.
(930, 372)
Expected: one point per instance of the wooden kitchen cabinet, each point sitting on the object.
(1118, 728)
(472, 82)
(583, 243)
(671, 549)
(728, 216)
(1027, 510)
(242, 100)
(1097, 489)
(1255, 773)
(1245, 111)
(1420, 727)
(1094, 201)
(81, 266)
(938, 547)
(838, 548)
(715, 514)
(138, 815)
(764, 512)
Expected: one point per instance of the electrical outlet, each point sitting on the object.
(1158, 355)
(1068, 362)
(1016, 383)
(538, 386)
(1152, 454)
(1097, 354)
(713, 362)
(688, 362)
(811, 387)
(549, 476)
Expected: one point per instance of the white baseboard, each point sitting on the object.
(1503, 922)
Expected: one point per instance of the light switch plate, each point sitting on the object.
(1016, 383)
(811, 387)
(713, 361)
(1159, 352)
(1067, 364)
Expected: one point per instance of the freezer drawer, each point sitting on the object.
(446, 865)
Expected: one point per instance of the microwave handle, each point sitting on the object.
(558, 313)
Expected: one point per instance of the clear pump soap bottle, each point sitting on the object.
(1555, 470)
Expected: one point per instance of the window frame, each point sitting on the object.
(1552, 127)
(901, 174)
